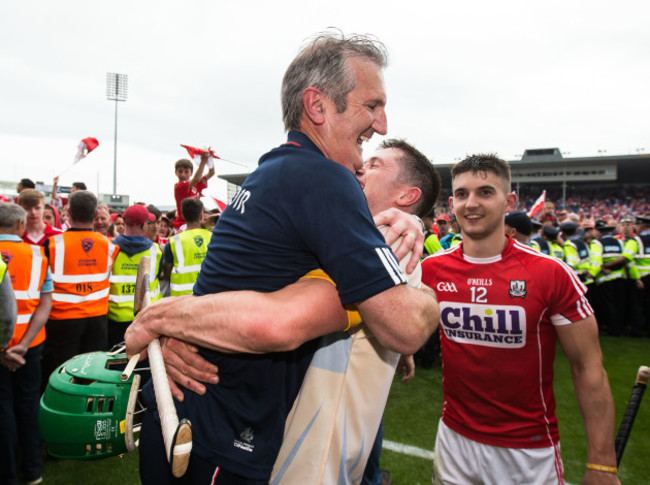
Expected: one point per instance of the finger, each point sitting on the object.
(184, 380)
(175, 390)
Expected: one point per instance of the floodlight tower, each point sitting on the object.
(116, 90)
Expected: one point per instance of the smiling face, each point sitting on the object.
(479, 202)
(102, 221)
(380, 179)
(344, 133)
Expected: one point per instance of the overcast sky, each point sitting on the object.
(465, 76)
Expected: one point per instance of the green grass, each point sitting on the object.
(413, 410)
(412, 415)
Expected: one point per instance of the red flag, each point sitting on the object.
(222, 205)
(85, 146)
(537, 206)
(195, 154)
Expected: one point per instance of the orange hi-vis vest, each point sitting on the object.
(27, 267)
(80, 263)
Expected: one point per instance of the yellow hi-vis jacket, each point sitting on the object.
(188, 249)
(123, 279)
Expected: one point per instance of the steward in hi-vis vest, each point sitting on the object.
(80, 261)
(133, 246)
(608, 268)
(185, 251)
(642, 263)
(20, 363)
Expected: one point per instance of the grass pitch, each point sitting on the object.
(412, 415)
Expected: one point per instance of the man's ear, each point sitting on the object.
(511, 202)
(408, 196)
(314, 105)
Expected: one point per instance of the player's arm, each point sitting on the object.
(401, 318)
(243, 321)
(580, 344)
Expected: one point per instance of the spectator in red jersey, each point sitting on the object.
(51, 216)
(37, 229)
(188, 185)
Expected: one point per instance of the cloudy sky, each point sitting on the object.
(465, 76)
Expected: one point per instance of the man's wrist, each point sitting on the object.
(422, 226)
(602, 468)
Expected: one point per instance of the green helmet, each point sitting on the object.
(88, 411)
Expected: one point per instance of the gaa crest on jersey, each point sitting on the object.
(87, 244)
(198, 240)
(517, 289)
(446, 286)
(6, 256)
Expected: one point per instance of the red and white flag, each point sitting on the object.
(195, 155)
(86, 146)
(222, 205)
(537, 206)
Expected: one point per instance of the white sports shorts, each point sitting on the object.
(459, 460)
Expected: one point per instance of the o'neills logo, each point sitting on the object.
(6, 256)
(87, 244)
(488, 325)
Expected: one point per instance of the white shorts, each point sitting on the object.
(459, 460)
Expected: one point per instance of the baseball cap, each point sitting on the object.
(138, 214)
(520, 221)
(442, 217)
(626, 218)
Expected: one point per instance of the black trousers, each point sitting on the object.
(155, 470)
(67, 338)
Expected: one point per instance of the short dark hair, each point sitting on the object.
(82, 206)
(79, 186)
(155, 211)
(323, 64)
(183, 163)
(485, 163)
(192, 209)
(27, 183)
(417, 171)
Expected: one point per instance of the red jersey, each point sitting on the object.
(183, 191)
(49, 231)
(497, 318)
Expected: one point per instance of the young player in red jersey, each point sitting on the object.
(502, 308)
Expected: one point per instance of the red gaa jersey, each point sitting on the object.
(497, 319)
